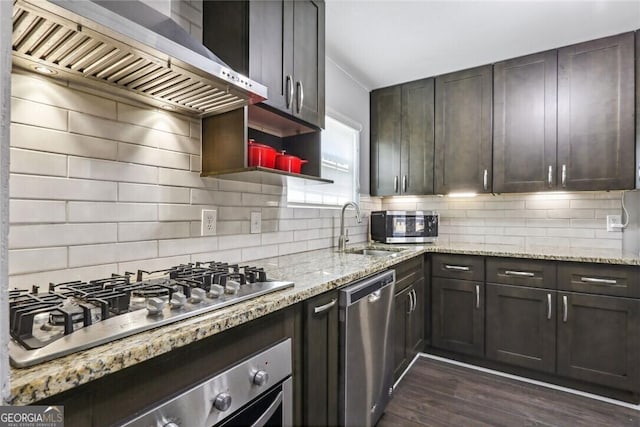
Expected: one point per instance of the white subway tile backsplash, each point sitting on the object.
(41, 187)
(571, 213)
(226, 228)
(104, 170)
(238, 187)
(48, 92)
(154, 119)
(85, 124)
(35, 211)
(291, 248)
(111, 212)
(53, 141)
(230, 256)
(217, 198)
(187, 246)
(151, 156)
(239, 241)
(33, 260)
(195, 163)
(182, 212)
(152, 264)
(37, 114)
(143, 193)
(279, 237)
(44, 235)
(85, 255)
(26, 281)
(135, 231)
(37, 162)
(184, 178)
(259, 252)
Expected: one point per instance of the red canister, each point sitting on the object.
(261, 155)
(289, 163)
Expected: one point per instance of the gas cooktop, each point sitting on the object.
(74, 316)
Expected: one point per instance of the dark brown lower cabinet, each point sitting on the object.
(521, 326)
(599, 340)
(320, 365)
(458, 316)
(409, 325)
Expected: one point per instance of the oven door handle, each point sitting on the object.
(269, 412)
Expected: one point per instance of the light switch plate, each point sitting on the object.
(209, 220)
(256, 222)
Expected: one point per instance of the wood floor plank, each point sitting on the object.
(435, 393)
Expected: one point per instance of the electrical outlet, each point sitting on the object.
(614, 222)
(256, 222)
(209, 219)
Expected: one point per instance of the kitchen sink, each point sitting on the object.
(374, 251)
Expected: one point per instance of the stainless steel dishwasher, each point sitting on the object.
(366, 349)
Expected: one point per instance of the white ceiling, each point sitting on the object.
(381, 43)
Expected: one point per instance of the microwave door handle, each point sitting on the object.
(266, 416)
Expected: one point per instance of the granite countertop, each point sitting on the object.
(313, 272)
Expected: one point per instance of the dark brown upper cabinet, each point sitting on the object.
(596, 114)
(524, 123)
(463, 131)
(402, 139)
(278, 43)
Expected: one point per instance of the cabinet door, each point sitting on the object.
(415, 334)
(458, 316)
(308, 61)
(521, 326)
(320, 388)
(402, 312)
(271, 50)
(385, 141)
(599, 340)
(595, 114)
(463, 131)
(524, 123)
(416, 165)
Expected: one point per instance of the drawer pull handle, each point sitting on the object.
(411, 303)
(456, 267)
(322, 308)
(597, 280)
(550, 176)
(565, 308)
(395, 184)
(477, 296)
(485, 180)
(548, 306)
(519, 273)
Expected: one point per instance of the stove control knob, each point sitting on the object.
(197, 295)
(232, 287)
(155, 305)
(222, 401)
(178, 300)
(215, 291)
(261, 378)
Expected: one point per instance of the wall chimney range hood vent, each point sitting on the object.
(127, 48)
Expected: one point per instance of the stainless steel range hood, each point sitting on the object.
(128, 48)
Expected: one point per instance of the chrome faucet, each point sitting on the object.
(344, 238)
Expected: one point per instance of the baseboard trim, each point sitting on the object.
(407, 370)
(521, 379)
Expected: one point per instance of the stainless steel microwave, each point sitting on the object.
(404, 226)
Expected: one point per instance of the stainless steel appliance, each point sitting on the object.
(404, 226)
(130, 49)
(256, 392)
(74, 316)
(366, 349)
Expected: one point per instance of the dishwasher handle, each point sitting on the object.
(370, 288)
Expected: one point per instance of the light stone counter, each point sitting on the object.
(313, 272)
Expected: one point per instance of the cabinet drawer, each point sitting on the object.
(522, 272)
(604, 279)
(464, 267)
(409, 272)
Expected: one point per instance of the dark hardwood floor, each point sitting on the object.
(435, 393)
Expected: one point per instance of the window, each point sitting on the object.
(340, 154)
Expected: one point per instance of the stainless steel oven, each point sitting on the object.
(255, 392)
(404, 226)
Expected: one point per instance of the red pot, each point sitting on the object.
(289, 163)
(261, 155)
